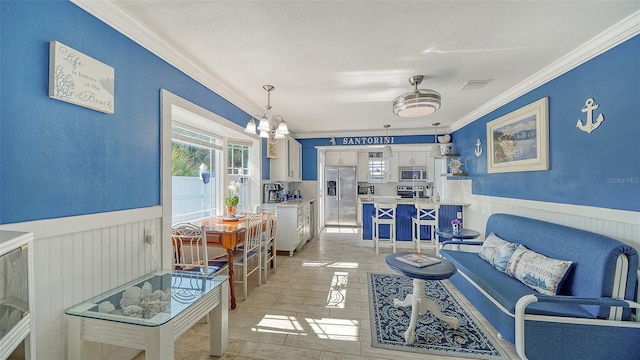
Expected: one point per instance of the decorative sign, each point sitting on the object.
(272, 149)
(589, 125)
(79, 79)
(368, 140)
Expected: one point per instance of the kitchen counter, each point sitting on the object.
(296, 224)
(295, 203)
(411, 201)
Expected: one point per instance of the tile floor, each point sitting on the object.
(315, 306)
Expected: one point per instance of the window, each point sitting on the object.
(238, 170)
(377, 170)
(194, 160)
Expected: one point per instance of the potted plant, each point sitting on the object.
(231, 201)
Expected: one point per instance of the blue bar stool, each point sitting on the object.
(385, 214)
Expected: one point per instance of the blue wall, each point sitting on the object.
(599, 169)
(58, 159)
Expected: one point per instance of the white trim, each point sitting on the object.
(615, 35)
(623, 216)
(73, 224)
(521, 317)
(123, 22)
(619, 285)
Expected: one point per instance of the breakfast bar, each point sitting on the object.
(405, 210)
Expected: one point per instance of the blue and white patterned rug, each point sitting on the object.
(433, 336)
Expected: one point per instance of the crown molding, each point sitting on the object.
(123, 22)
(613, 36)
(370, 132)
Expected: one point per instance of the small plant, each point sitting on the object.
(234, 189)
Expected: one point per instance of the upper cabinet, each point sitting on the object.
(393, 167)
(287, 163)
(341, 158)
(363, 166)
(412, 158)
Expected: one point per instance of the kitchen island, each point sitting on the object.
(404, 212)
(295, 224)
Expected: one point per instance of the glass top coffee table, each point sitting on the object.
(419, 302)
(149, 313)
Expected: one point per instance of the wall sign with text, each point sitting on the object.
(79, 79)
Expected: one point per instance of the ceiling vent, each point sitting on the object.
(474, 84)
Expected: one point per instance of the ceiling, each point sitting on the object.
(338, 65)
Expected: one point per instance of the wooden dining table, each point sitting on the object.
(226, 233)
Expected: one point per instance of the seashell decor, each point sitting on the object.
(139, 302)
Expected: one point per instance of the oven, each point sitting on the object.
(406, 192)
(412, 173)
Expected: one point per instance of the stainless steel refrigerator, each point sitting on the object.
(340, 197)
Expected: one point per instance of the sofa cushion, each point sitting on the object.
(537, 271)
(504, 289)
(497, 251)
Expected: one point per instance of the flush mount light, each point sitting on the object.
(269, 126)
(416, 103)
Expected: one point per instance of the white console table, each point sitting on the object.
(157, 320)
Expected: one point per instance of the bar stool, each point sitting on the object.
(385, 214)
(426, 214)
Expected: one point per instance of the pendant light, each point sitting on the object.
(270, 126)
(435, 132)
(416, 103)
(386, 150)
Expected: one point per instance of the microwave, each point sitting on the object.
(411, 173)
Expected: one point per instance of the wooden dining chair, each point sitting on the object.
(189, 244)
(248, 255)
(270, 216)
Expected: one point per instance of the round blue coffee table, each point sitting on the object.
(418, 300)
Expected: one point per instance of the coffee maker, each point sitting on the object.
(272, 193)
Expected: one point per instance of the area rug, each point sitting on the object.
(433, 336)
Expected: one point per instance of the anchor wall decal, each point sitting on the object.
(478, 148)
(589, 125)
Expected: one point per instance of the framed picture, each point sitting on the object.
(519, 140)
(272, 149)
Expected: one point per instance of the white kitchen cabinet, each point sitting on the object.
(393, 168)
(287, 165)
(363, 166)
(294, 226)
(341, 158)
(295, 159)
(412, 158)
(16, 295)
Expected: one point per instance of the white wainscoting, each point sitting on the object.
(618, 224)
(80, 257)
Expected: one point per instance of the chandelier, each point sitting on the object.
(416, 103)
(269, 126)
